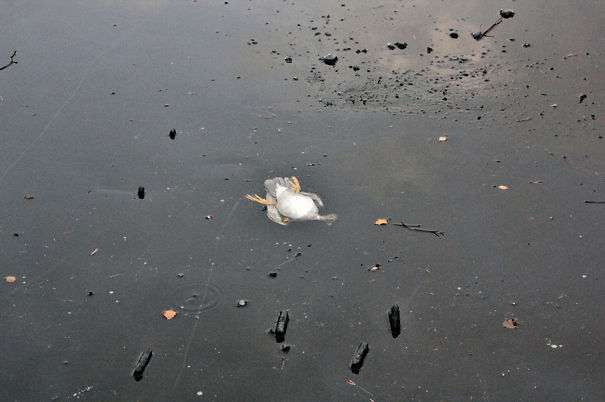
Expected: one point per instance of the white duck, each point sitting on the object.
(285, 202)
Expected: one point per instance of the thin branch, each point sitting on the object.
(480, 35)
(417, 228)
(11, 60)
(594, 202)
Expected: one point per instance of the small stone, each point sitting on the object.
(374, 268)
(526, 44)
(583, 97)
(209, 217)
(429, 50)
(141, 193)
(288, 59)
(172, 134)
(477, 35)
(272, 274)
(443, 138)
(242, 303)
(28, 196)
(401, 45)
(391, 46)
(454, 35)
(90, 293)
(329, 59)
(507, 13)
(285, 347)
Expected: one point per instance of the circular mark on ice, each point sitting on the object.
(198, 299)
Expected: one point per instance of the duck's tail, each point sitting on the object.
(329, 218)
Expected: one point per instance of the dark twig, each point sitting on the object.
(480, 35)
(11, 60)
(594, 202)
(417, 228)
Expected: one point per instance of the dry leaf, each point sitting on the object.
(502, 187)
(510, 323)
(381, 221)
(10, 279)
(443, 138)
(168, 314)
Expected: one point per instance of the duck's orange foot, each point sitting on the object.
(295, 184)
(258, 199)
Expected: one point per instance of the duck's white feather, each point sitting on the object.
(296, 206)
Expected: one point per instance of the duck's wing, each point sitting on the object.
(274, 215)
(271, 185)
(314, 197)
(272, 212)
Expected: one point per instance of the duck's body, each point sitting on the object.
(285, 202)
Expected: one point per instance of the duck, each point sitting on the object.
(286, 202)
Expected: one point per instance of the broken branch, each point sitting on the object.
(418, 228)
(11, 60)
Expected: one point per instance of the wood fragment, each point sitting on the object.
(281, 326)
(141, 365)
(394, 320)
(359, 355)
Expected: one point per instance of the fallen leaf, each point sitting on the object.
(381, 221)
(510, 323)
(502, 187)
(443, 138)
(168, 314)
(10, 279)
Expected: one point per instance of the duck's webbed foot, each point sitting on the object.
(295, 184)
(258, 199)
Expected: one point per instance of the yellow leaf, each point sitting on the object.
(381, 221)
(168, 314)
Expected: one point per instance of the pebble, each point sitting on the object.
(329, 59)
(507, 13)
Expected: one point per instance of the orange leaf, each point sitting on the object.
(381, 221)
(510, 323)
(168, 314)
(10, 279)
